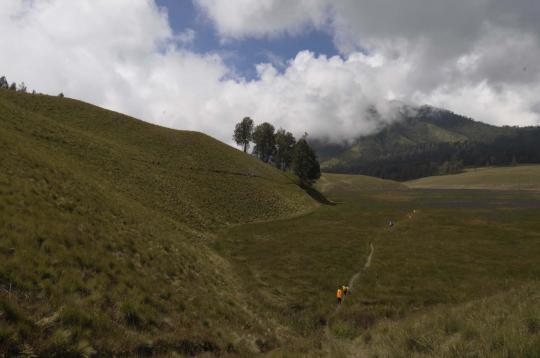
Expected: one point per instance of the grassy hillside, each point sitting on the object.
(523, 177)
(103, 226)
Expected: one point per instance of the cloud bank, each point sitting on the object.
(476, 58)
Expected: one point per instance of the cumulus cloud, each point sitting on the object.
(247, 18)
(119, 54)
(123, 55)
(471, 56)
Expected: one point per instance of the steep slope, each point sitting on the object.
(103, 226)
(429, 141)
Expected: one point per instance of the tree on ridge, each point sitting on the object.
(265, 142)
(243, 133)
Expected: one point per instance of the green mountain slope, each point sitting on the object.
(103, 226)
(425, 141)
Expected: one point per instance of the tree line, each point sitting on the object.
(279, 148)
(4, 84)
(449, 158)
(21, 87)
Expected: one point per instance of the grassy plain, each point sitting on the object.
(449, 252)
(521, 177)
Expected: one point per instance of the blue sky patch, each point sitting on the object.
(243, 55)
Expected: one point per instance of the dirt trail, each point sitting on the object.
(333, 346)
(328, 334)
(366, 266)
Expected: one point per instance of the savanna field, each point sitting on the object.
(121, 238)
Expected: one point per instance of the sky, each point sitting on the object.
(313, 66)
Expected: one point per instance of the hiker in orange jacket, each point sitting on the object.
(339, 295)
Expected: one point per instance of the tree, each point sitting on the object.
(243, 133)
(13, 86)
(4, 83)
(305, 163)
(265, 142)
(61, 95)
(285, 143)
(22, 87)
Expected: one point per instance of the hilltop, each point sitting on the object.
(430, 141)
(105, 220)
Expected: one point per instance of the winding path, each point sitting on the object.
(366, 266)
(352, 280)
(331, 341)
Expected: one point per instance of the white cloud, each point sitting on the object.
(123, 55)
(264, 17)
(439, 50)
(185, 37)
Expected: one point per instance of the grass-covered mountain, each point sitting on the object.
(429, 141)
(104, 224)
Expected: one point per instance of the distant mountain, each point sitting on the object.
(430, 141)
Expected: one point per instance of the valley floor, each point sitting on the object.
(445, 280)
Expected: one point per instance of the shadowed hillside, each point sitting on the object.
(103, 229)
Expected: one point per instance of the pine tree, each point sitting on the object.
(305, 163)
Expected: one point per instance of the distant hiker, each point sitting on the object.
(346, 290)
(390, 223)
(339, 295)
